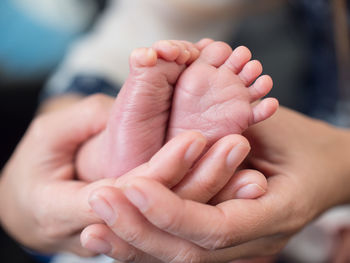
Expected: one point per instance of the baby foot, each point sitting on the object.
(215, 94)
(137, 126)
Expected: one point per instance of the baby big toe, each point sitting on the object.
(215, 54)
(203, 43)
(143, 57)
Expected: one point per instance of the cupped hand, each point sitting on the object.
(45, 208)
(172, 167)
(41, 204)
(308, 172)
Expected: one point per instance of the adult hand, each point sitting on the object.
(45, 208)
(171, 167)
(41, 204)
(306, 162)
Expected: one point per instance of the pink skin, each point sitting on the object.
(215, 89)
(212, 96)
(215, 94)
(137, 126)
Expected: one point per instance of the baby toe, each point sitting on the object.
(184, 54)
(143, 57)
(260, 88)
(167, 50)
(215, 54)
(264, 109)
(204, 42)
(238, 59)
(250, 72)
(194, 51)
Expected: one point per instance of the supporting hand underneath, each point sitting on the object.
(45, 208)
(306, 162)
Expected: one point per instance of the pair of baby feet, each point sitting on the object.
(173, 87)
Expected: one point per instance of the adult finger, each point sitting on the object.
(73, 125)
(229, 223)
(204, 42)
(67, 211)
(128, 223)
(168, 166)
(101, 239)
(172, 162)
(245, 184)
(214, 169)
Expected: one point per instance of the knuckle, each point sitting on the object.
(48, 226)
(208, 186)
(219, 237)
(169, 222)
(134, 236)
(217, 241)
(189, 255)
(131, 257)
(48, 230)
(297, 216)
(222, 236)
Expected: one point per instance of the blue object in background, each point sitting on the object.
(30, 47)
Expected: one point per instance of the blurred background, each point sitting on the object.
(49, 47)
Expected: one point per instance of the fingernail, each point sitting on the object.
(250, 191)
(194, 150)
(136, 198)
(235, 156)
(103, 209)
(97, 245)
